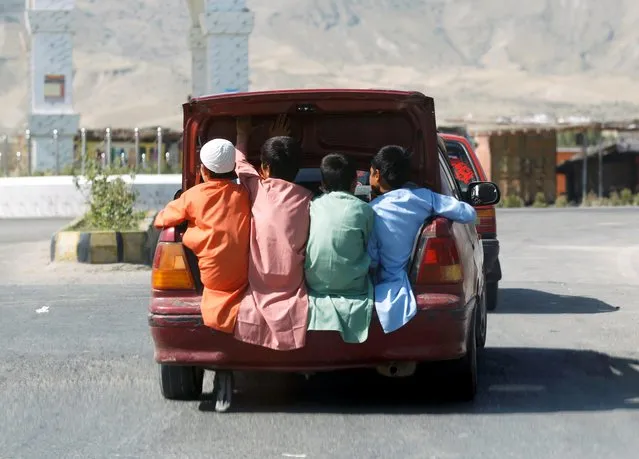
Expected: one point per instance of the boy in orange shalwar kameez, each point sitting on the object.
(218, 213)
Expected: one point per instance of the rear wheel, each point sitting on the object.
(464, 378)
(492, 290)
(181, 383)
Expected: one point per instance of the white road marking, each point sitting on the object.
(581, 248)
(42, 310)
(516, 388)
(615, 371)
(628, 262)
(293, 455)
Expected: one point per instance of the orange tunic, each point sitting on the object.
(219, 217)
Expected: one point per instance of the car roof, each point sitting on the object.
(453, 137)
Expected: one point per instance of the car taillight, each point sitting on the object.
(438, 259)
(170, 268)
(487, 223)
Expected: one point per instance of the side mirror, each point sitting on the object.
(483, 194)
(177, 194)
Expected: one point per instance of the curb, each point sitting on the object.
(104, 247)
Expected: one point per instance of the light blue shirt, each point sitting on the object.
(398, 216)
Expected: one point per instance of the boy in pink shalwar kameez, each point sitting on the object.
(274, 310)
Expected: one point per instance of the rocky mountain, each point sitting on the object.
(487, 58)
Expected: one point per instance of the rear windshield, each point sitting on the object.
(311, 179)
(462, 166)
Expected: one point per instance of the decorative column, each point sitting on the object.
(197, 44)
(219, 42)
(49, 23)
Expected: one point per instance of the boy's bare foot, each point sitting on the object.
(280, 127)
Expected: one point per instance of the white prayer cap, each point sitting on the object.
(218, 156)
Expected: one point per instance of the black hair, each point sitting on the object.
(393, 163)
(282, 155)
(338, 172)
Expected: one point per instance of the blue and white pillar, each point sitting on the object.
(50, 25)
(219, 42)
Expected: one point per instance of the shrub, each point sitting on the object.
(636, 200)
(540, 200)
(561, 201)
(591, 200)
(110, 199)
(512, 201)
(614, 199)
(626, 197)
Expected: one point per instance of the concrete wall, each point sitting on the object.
(32, 197)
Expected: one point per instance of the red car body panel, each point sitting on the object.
(466, 174)
(441, 327)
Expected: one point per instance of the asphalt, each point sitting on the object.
(559, 377)
(29, 230)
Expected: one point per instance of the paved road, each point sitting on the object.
(29, 230)
(559, 379)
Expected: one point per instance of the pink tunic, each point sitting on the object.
(274, 310)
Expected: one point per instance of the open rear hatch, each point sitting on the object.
(355, 122)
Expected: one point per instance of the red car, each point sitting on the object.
(467, 169)
(446, 270)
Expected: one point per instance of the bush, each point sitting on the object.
(626, 197)
(636, 200)
(561, 201)
(540, 200)
(111, 200)
(592, 200)
(614, 199)
(511, 201)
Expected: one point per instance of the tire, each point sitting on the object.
(492, 290)
(464, 378)
(181, 383)
(482, 322)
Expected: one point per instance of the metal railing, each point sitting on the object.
(148, 152)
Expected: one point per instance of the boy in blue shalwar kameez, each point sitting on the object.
(400, 209)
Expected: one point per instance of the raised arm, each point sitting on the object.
(242, 166)
(175, 212)
(453, 209)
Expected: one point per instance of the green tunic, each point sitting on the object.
(340, 291)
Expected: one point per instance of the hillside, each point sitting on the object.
(485, 57)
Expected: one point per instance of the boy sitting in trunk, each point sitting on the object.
(274, 310)
(340, 292)
(400, 209)
(218, 214)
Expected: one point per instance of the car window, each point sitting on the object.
(461, 164)
(449, 187)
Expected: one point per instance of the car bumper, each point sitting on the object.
(492, 266)
(437, 333)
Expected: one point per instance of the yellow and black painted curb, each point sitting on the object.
(102, 247)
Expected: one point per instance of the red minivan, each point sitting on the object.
(468, 169)
(446, 270)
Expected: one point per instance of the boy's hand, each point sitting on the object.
(243, 126)
(280, 127)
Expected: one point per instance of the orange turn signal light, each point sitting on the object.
(170, 268)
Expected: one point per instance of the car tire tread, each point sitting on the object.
(181, 383)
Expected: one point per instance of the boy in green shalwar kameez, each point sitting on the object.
(340, 291)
